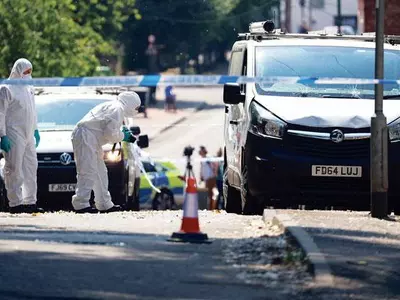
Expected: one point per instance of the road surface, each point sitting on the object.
(126, 255)
(205, 127)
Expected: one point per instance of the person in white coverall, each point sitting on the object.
(18, 132)
(102, 125)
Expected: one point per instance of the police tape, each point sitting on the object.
(181, 125)
(177, 160)
(136, 155)
(185, 80)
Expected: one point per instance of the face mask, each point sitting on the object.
(27, 76)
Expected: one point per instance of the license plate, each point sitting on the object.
(336, 171)
(62, 187)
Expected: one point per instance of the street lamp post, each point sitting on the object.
(339, 16)
(379, 131)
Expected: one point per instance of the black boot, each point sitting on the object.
(19, 209)
(32, 208)
(87, 210)
(112, 209)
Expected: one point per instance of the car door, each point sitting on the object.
(234, 118)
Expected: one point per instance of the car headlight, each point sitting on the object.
(265, 124)
(394, 131)
(112, 156)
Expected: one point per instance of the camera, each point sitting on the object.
(188, 151)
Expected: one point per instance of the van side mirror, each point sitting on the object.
(232, 94)
(143, 141)
(135, 130)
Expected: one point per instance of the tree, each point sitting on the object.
(60, 37)
(187, 28)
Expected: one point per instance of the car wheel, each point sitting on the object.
(394, 205)
(164, 200)
(251, 204)
(3, 198)
(231, 196)
(133, 200)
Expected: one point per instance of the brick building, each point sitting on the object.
(366, 16)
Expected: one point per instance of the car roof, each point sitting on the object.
(72, 93)
(316, 42)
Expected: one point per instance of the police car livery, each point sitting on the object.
(167, 178)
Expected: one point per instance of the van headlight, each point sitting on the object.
(394, 131)
(112, 156)
(265, 124)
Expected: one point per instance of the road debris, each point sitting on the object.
(266, 257)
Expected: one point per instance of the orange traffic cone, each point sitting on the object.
(190, 229)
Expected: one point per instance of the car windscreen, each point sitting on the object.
(62, 114)
(323, 62)
(149, 167)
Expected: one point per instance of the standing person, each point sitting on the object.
(18, 129)
(220, 180)
(170, 99)
(208, 174)
(100, 126)
(152, 64)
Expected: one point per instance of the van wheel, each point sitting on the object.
(394, 205)
(251, 204)
(231, 196)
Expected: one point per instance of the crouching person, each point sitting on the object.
(102, 125)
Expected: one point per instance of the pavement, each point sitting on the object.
(189, 100)
(352, 255)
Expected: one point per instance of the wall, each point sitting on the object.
(366, 16)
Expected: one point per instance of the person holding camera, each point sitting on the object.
(208, 174)
(100, 126)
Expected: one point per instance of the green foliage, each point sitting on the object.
(105, 16)
(191, 27)
(59, 37)
(73, 37)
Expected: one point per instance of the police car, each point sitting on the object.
(290, 143)
(166, 177)
(58, 111)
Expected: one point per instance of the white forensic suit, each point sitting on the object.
(102, 125)
(18, 121)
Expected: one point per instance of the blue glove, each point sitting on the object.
(37, 137)
(128, 137)
(5, 143)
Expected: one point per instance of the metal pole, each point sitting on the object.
(379, 131)
(310, 15)
(288, 15)
(339, 15)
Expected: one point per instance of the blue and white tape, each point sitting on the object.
(183, 80)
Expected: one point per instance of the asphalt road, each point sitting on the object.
(205, 127)
(125, 256)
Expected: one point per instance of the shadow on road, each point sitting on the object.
(38, 263)
(365, 264)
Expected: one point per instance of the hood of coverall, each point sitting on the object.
(130, 102)
(20, 66)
